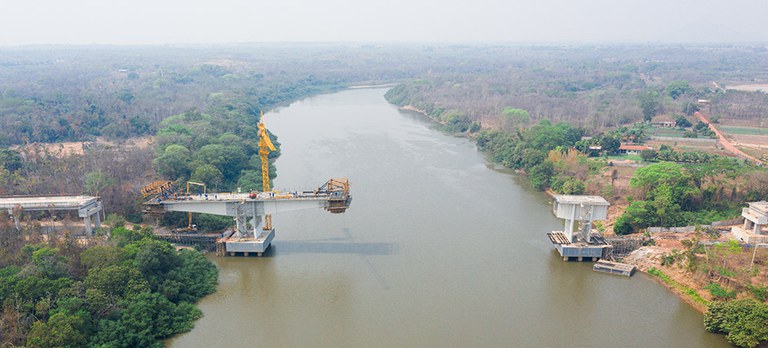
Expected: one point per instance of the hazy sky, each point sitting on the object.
(24, 22)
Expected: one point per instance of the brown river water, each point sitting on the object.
(440, 248)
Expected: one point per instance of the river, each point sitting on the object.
(439, 248)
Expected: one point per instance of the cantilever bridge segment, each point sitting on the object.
(252, 208)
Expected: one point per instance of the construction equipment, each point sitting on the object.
(339, 191)
(265, 147)
(162, 188)
(254, 207)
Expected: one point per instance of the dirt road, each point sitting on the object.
(723, 140)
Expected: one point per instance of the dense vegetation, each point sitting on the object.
(528, 150)
(222, 153)
(736, 287)
(592, 87)
(745, 321)
(672, 194)
(129, 291)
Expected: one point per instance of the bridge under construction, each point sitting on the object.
(253, 211)
(253, 232)
(88, 207)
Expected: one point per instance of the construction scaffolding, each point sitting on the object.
(623, 245)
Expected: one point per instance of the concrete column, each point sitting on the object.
(15, 220)
(88, 227)
(569, 224)
(240, 222)
(97, 219)
(757, 229)
(255, 221)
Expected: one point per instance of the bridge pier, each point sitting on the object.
(88, 207)
(253, 208)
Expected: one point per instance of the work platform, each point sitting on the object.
(88, 207)
(580, 250)
(614, 268)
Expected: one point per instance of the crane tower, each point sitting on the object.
(265, 148)
(255, 207)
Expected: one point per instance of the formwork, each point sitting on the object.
(580, 250)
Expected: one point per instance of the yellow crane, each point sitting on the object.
(265, 147)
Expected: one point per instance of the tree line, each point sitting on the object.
(128, 290)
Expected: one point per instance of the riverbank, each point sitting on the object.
(615, 179)
(648, 260)
(401, 261)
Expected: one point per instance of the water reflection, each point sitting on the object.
(318, 247)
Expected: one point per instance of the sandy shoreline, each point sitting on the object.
(373, 86)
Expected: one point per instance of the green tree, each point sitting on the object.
(541, 174)
(209, 175)
(229, 160)
(512, 117)
(690, 108)
(669, 173)
(173, 162)
(10, 160)
(126, 96)
(144, 319)
(744, 321)
(61, 330)
(101, 256)
(610, 144)
(153, 258)
(49, 264)
(96, 181)
(648, 155)
(193, 279)
(677, 88)
(650, 103)
(639, 214)
(116, 281)
(682, 122)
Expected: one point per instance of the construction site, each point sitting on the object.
(252, 231)
(584, 243)
(252, 212)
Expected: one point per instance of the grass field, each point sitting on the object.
(743, 130)
(668, 132)
(625, 158)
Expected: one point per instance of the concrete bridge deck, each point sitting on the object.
(88, 207)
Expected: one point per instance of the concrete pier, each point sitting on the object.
(755, 220)
(583, 243)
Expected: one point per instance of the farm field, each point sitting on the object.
(743, 130)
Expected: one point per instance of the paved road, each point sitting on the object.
(723, 140)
